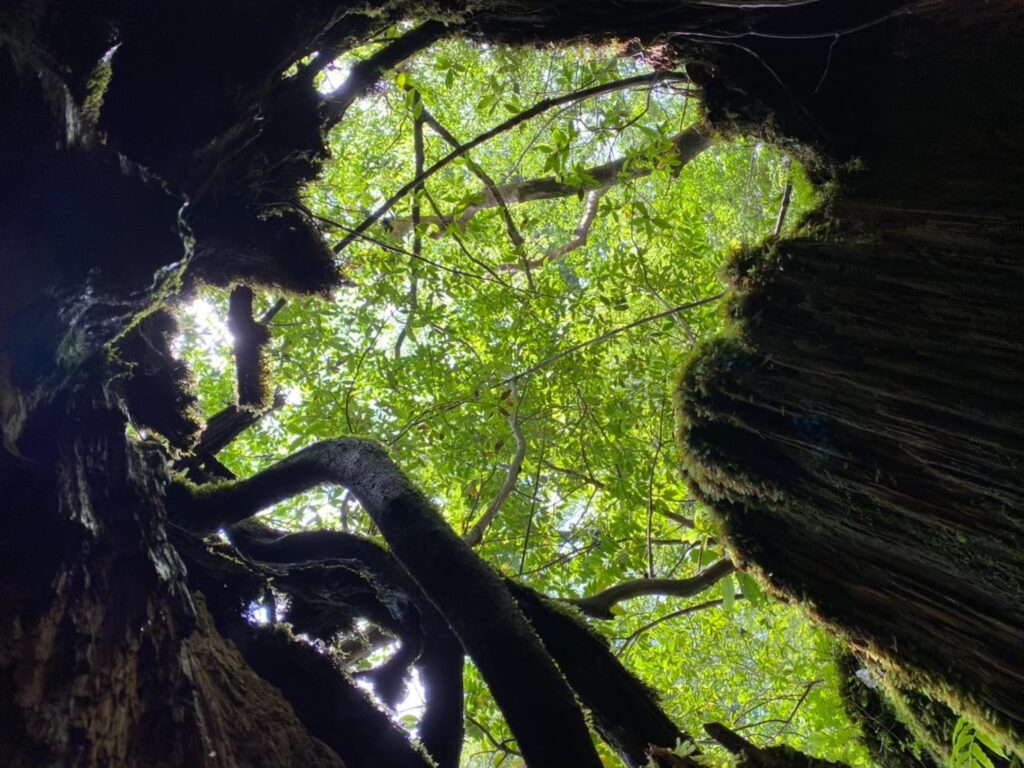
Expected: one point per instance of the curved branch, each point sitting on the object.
(625, 711)
(326, 700)
(536, 701)
(579, 236)
(356, 579)
(599, 606)
(440, 656)
(476, 534)
(578, 239)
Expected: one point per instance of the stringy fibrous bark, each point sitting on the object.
(859, 429)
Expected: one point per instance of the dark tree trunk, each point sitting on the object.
(861, 433)
(863, 448)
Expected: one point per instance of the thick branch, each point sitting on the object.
(537, 109)
(251, 339)
(685, 147)
(364, 74)
(625, 711)
(531, 692)
(325, 700)
(441, 728)
(335, 577)
(160, 389)
(599, 606)
(360, 645)
(227, 424)
(330, 705)
(772, 757)
(440, 656)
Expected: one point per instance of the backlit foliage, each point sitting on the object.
(425, 355)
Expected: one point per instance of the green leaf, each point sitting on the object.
(979, 757)
(989, 742)
(728, 593)
(750, 588)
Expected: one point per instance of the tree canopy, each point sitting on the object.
(516, 352)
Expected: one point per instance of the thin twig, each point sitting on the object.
(513, 232)
(533, 509)
(465, 250)
(610, 334)
(783, 208)
(476, 533)
(650, 497)
(417, 236)
(680, 321)
(488, 278)
(789, 720)
(501, 746)
(634, 636)
(355, 378)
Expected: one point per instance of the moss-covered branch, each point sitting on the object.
(435, 650)
(624, 711)
(329, 704)
(250, 347)
(536, 701)
(752, 756)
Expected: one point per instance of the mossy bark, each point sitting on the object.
(860, 430)
(106, 658)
